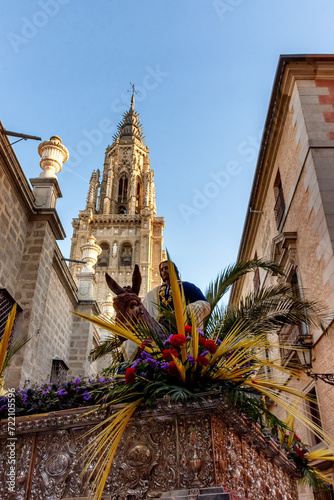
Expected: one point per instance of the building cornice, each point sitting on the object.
(51, 216)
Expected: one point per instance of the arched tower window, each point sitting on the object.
(103, 260)
(121, 209)
(125, 254)
(138, 196)
(123, 189)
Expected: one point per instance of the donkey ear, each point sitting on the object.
(136, 280)
(114, 287)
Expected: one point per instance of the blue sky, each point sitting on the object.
(204, 71)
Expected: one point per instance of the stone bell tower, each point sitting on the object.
(121, 213)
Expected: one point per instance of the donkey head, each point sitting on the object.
(127, 303)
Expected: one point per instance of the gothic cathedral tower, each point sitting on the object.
(121, 213)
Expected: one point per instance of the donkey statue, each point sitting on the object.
(128, 305)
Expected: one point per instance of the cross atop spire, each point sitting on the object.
(133, 95)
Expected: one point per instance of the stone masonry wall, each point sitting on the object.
(33, 285)
(14, 224)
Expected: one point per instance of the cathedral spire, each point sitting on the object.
(130, 127)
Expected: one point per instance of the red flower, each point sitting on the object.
(167, 354)
(202, 360)
(178, 340)
(130, 375)
(201, 341)
(187, 329)
(172, 369)
(211, 346)
(300, 452)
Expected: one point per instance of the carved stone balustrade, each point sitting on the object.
(165, 447)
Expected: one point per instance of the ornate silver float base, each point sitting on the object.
(164, 448)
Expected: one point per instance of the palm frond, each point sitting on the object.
(13, 349)
(102, 448)
(218, 287)
(321, 454)
(273, 307)
(5, 338)
(109, 346)
(178, 298)
(112, 326)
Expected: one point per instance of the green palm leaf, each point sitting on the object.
(272, 307)
(218, 287)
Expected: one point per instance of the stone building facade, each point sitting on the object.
(120, 214)
(291, 215)
(34, 274)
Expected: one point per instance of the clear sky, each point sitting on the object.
(204, 71)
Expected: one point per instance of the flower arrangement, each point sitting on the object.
(51, 397)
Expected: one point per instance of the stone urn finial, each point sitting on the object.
(107, 305)
(53, 154)
(90, 252)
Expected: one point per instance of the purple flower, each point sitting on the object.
(145, 355)
(218, 341)
(200, 331)
(143, 374)
(136, 363)
(78, 389)
(61, 392)
(77, 381)
(152, 362)
(44, 393)
(205, 353)
(168, 340)
(86, 396)
(102, 380)
(191, 359)
(164, 365)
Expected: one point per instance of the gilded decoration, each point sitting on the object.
(166, 447)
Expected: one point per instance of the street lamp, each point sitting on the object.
(305, 343)
(304, 351)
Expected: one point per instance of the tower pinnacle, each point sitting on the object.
(130, 127)
(132, 107)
